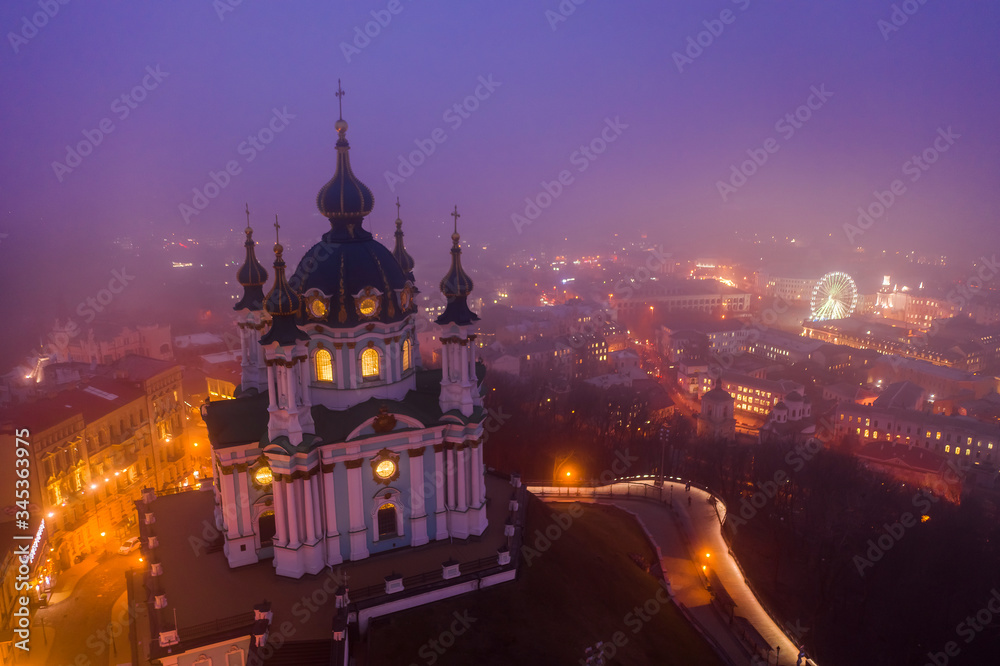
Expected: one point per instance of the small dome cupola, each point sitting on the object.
(344, 200)
(252, 276)
(456, 286)
(282, 303)
(403, 257)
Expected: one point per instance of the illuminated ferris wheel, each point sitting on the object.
(835, 296)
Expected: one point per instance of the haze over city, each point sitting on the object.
(695, 242)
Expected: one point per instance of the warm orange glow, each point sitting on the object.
(567, 473)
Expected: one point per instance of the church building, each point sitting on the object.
(338, 444)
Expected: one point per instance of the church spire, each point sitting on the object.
(344, 200)
(456, 285)
(252, 276)
(402, 256)
(283, 303)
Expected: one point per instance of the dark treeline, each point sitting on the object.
(876, 571)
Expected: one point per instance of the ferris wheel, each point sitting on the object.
(835, 296)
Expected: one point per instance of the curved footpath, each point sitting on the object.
(683, 534)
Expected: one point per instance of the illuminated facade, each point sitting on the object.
(338, 444)
(757, 397)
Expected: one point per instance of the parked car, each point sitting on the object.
(129, 546)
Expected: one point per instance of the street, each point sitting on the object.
(76, 629)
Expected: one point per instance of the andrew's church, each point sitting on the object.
(338, 444)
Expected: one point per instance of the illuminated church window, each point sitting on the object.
(324, 366)
(369, 363)
(407, 354)
(387, 520)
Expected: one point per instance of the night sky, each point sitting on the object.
(556, 81)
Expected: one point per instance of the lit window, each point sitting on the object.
(407, 354)
(387, 520)
(938, 435)
(947, 448)
(324, 366)
(968, 451)
(369, 363)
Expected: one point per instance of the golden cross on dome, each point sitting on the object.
(277, 228)
(397, 207)
(340, 99)
(248, 214)
(456, 216)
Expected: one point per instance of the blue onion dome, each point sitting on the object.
(252, 276)
(281, 300)
(284, 305)
(349, 278)
(456, 286)
(345, 200)
(456, 283)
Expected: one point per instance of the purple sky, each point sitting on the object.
(557, 88)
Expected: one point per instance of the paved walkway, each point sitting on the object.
(677, 532)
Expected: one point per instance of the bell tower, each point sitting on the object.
(459, 385)
(252, 318)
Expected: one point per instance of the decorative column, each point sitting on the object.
(450, 464)
(310, 536)
(440, 515)
(463, 491)
(329, 505)
(293, 516)
(352, 367)
(476, 470)
(418, 513)
(272, 391)
(229, 503)
(356, 505)
(242, 482)
(280, 518)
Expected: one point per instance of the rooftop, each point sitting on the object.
(202, 587)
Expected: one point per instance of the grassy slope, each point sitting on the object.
(579, 591)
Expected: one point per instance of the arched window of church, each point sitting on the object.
(324, 366)
(407, 354)
(370, 363)
(387, 520)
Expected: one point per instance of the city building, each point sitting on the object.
(716, 419)
(756, 397)
(667, 294)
